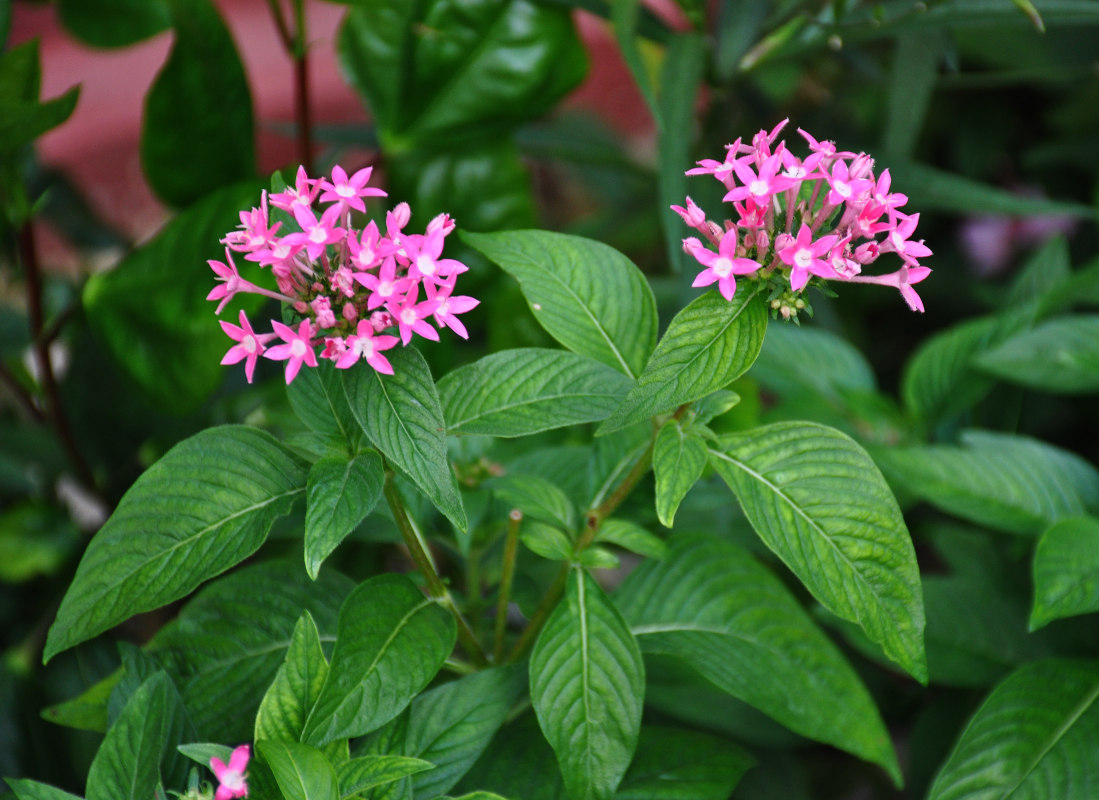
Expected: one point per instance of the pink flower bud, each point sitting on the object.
(322, 312)
(401, 214)
(867, 252)
(349, 312)
(861, 167)
(783, 240)
(301, 306)
(442, 222)
(334, 347)
(380, 320)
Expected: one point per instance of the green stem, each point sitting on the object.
(511, 547)
(417, 548)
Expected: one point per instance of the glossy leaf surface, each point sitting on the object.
(1066, 571)
(340, 493)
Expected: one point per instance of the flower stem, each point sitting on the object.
(417, 548)
(511, 547)
(55, 411)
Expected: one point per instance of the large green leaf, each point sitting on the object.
(296, 686)
(228, 643)
(1034, 737)
(460, 69)
(203, 507)
(33, 790)
(587, 685)
(1066, 571)
(127, 765)
(302, 772)
(708, 345)
(1060, 356)
(679, 457)
(672, 764)
(714, 606)
(810, 360)
(151, 310)
(451, 725)
(1008, 482)
(536, 498)
(22, 117)
(518, 742)
(318, 400)
(819, 502)
(401, 416)
(197, 133)
(484, 185)
(391, 642)
(365, 772)
(114, 23)
(340, 493)
(523, 391)
(588, 296)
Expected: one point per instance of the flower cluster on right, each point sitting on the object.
(825, 216)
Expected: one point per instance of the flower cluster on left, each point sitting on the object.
(354, 292)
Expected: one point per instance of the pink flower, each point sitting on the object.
(386, 286)
(807, 256)
(844, 186)
(250, 344)
(902, 279)
(348, 192)
(315, 234)
(231, 776)
(411, 316)
(449, 306)
(722, 265)
(759, 187)
(423, 255)
(365, 345)
(899, 243)
(364, 249)
(303, 193)
(298, 347)
(233, 282)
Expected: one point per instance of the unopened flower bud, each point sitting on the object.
(301, 306)
(442, 222)
(783, 241)
(380, 320)
(349, 312)
(401, 214)
(862, 166)
(867, 252)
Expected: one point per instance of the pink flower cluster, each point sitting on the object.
(347, 285)
(825, 216)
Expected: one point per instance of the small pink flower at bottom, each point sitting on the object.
(807, 256)
(231, 776)
(250, 344)
(298, 347)
(364, 344)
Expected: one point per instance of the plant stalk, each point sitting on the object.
(511, 548)
(417, 548)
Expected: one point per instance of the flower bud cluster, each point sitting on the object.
(355, 291)
(802, 221)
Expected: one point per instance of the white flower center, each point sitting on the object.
(345, 190)
(803, 258)
(232, 780)
(318, 235)
(426, 265)
(385, 288)
(758, 188)
(298, 348)
(249, 344)
(409, 317)
(722, 267)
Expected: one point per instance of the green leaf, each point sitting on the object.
(1008, 482)
(302, 772)
(202, 752)
(1044, 275)
(197, 133)
(915, 67)
(631, 536)
(545, 540)
(318, 400)
(708, 345)
(151, 311)
(1060, 356)
(1033, 737)
(340, 493)
(127, 765)
(931, 189)
(798, 360)
(536, 498)
(33, 790)
(401, 416)
(451, 725)
(524, 391)
(114, 23)
(468, 70)
(296, 687)
(613, 458)
(484, 184)
(203, 507)
(819, 502)
(87, 711)
(679, 457)
(22, 117)
(938, 381)
(391, 642)
(519, 742)
(35, 539)
(588, 296)
(1066, 571)
(673, 764)
(714, 606)
(365, 772)
(587, 684)
(228, 643)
